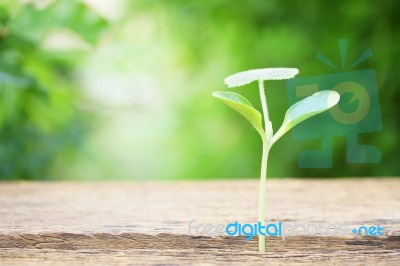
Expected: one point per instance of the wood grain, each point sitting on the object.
(147, 222)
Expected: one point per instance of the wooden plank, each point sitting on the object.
(147, 222)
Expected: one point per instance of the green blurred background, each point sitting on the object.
(98, 89)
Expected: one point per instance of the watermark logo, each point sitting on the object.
(368, 231)
(357, 112)
(281, 229)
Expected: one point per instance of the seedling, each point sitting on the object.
(300, 111)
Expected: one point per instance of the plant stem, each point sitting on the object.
(261, 196)
(263, 103)
(264, 160)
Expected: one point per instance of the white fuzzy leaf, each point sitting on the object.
(246, 77)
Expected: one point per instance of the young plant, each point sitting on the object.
(308, 107)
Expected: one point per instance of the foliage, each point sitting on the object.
(154, 77)
(40, 122)
(206, 40)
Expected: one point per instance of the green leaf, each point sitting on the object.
(80, 18)
(306, 108)
(34, 24)
(243, 107)
(8, 79)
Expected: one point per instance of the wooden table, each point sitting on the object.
(147, 222)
